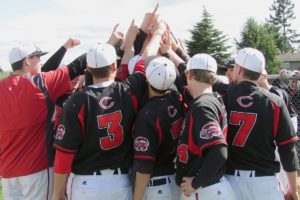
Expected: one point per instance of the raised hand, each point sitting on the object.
(132, 32)
(158, 27)
(148, 19)
(165, 44)
(115, 36)
(71, 42)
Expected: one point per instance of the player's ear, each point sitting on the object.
(26, 61)
(240, 70)
(189, 75)
(114, 67)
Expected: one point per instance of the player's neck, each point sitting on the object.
(246, 79)
(154, 94)
(101, 80)
(197, 89)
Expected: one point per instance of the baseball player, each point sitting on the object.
(202, 148)
(25, 115)
(258, 122)
(94, 139)
(263, 82)
(157, 129)
(229, 65)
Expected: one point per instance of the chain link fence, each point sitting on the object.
(292, 86)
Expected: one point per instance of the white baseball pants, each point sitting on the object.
(217, 191)
(37, 186)
(248, 187)
(96, 187)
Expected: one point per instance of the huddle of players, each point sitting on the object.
(219, 146)
(136, 119)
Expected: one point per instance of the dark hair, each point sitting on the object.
(17, 65)
(204, 76)
(101, 72)
(253, 76)
(157, 90)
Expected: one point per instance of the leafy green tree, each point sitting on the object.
(207, 39)
(259, 37)
(280, 23)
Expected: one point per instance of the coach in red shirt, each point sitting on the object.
(26, 105)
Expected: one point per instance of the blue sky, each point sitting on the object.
(49, 23)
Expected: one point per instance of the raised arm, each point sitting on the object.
(54, 61)
(157, 31)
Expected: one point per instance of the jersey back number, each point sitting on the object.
(246, 121)
(112, 123)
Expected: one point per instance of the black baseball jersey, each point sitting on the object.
(258, 121)
(204, 126)
(96, 125)
(157, 130)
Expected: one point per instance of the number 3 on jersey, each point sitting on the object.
(112, 123)
(246, 122)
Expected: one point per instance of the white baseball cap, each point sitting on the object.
(101, 55)
(251, 59)
(24, 50)
(264, 72)
(132, 62)
(202, 61)
(161, 73)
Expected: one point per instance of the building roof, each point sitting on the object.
(289, 57)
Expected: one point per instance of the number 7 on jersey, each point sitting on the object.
(246, 122)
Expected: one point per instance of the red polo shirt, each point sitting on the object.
(23, 118)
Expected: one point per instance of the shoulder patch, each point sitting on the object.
(60, 132)
(210, 130)
(141, 144)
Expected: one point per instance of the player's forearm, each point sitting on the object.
(53, 62)
(152, 46)
(77, 66)
(141, 182)
(175, 58)
(59, 185)
(292, 180)
(288, 157)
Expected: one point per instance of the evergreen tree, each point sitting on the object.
(281, 19)
(259, 37)
(207, 39)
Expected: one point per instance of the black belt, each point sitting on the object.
(157, 182)
(116, 172)
(253, 173)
